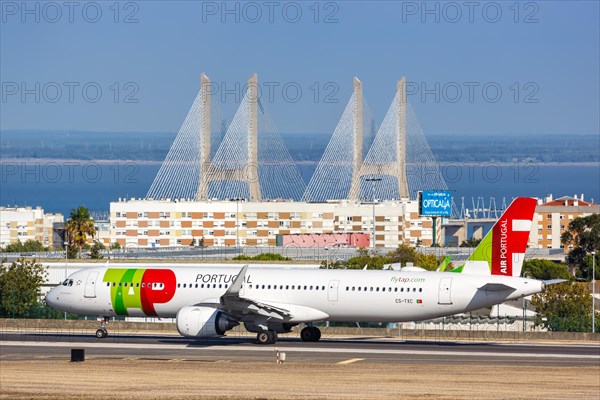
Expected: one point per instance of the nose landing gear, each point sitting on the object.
(102, 332)
(310, 334)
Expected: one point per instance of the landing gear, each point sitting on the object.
(266, 337)
(101, 333)
(310, 334)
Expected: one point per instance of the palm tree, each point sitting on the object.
(79, 225)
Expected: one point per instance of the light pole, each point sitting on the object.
(66, 258)
(326, 257)
(373, 180)
(593, 291)
(237, 223)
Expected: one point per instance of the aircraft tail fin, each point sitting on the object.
(502, 250)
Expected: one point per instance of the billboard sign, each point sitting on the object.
(435, 203)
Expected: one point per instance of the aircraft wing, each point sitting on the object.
(232, 303)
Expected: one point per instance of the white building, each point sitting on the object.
(26, 223)
(161, 223)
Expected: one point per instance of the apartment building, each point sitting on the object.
(161, 223)
(553, 217)
(27, 223)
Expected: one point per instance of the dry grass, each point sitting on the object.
(128, 379)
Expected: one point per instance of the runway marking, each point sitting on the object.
(131, 358)
(176, 360)
(350, 361)
(306, 350)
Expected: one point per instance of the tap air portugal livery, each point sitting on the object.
(208, 301)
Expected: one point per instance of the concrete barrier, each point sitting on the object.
(36, 328)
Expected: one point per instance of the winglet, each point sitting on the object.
(234, 289)
(444, 264)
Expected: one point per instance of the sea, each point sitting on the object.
(59, 186)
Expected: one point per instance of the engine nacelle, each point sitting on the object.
(279, 327)
(200, 321)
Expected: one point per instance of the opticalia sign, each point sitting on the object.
(434, 203)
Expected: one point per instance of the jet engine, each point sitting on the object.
(202, 321)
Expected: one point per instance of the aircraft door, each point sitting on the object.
(332, 293)
(444, 293)
(90, 285)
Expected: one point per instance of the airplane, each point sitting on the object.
(209, 301)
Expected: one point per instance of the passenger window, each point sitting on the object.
(293, 287)
(304, 287)
(119, 284)
(107, 283)
(311, 287)
(359, 288)
(220, 287)
(263, 286)
(214, 285)
(420, 290)
(179, 285)
(371, 289)
(287, 287)
(280, 286)
(414, 289)
(322, 287)
(137, 284)
(377, 289)
(395, 289)
(269, 287)
(184, 285)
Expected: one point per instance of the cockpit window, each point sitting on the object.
(65, 282)
(70, 282)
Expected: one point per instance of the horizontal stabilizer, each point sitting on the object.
(497, 287)
(554, 281)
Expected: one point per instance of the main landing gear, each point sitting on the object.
(310, 334)
(266, 337)
(101, 333)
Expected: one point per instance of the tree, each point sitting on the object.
(115, 246)
(95, 251)
(583, 235)
(79, 225)
(470, 242)
(565, 307)
(20, 283)
(28, 246)
(402, 254)
(545, 270)
(372, 261)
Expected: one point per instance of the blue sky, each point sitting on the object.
(543, 56)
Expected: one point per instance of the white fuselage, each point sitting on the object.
(313, 295)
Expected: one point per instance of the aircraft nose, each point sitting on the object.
(51, 298)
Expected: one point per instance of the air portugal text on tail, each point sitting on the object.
(502, 250)
(210, 300)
